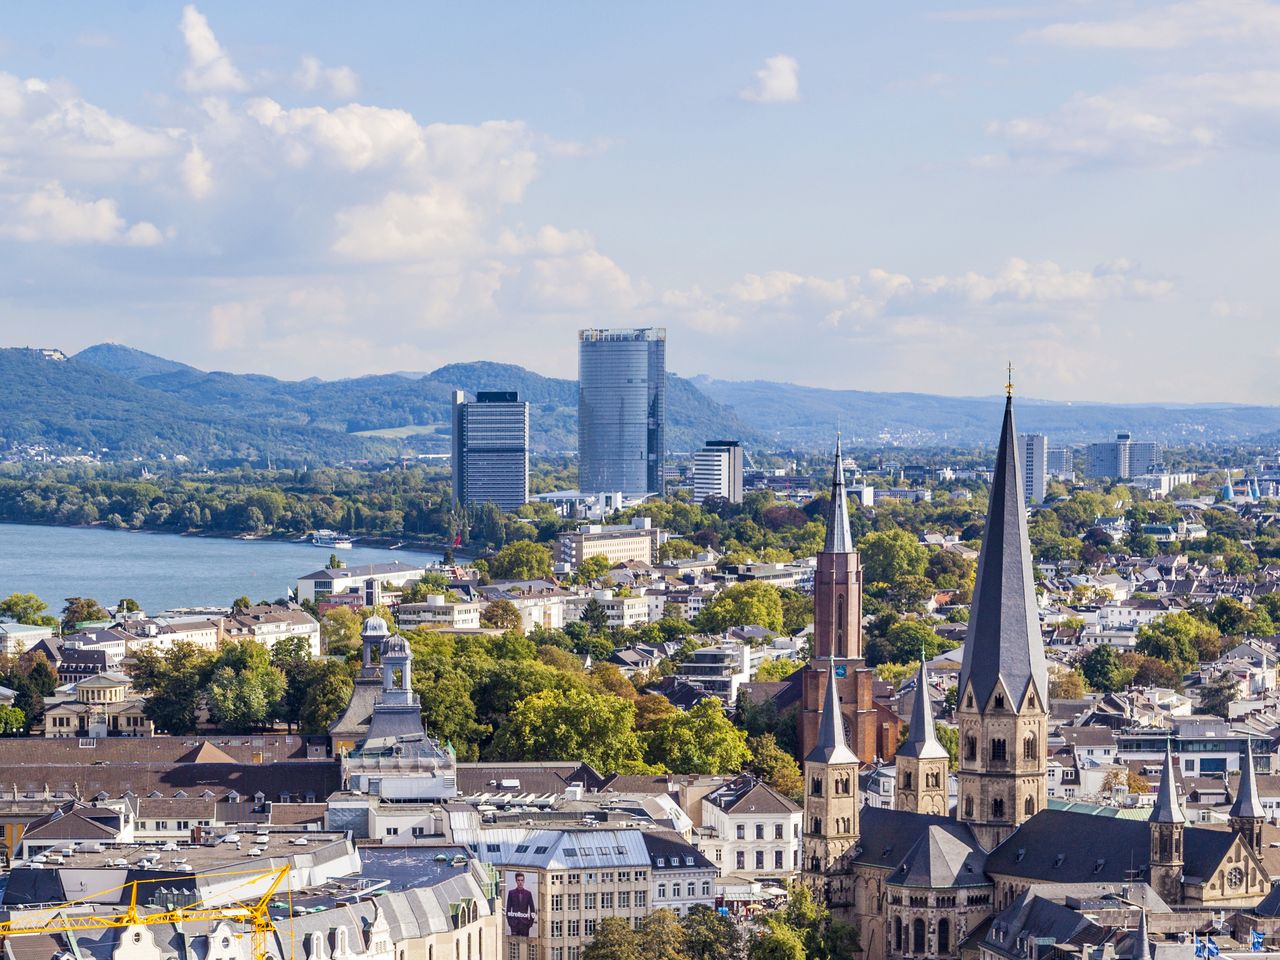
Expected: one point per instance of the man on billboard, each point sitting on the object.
(520, 908)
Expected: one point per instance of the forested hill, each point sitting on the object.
(122, 403)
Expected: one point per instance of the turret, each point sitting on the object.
(1247, 815)
(1167, 825)
(921, 760)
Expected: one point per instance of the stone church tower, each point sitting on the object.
(830, 797)
(1168, 824)
(837, 632)
(1004, 689)
(921, 760)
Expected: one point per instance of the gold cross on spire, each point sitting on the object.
(1008, 387)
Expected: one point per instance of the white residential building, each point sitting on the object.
(717, 471)
(750, 830)
(436, 611)
(1035, 465)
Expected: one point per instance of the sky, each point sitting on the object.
(871, 196)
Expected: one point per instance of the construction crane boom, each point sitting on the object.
(255, 915)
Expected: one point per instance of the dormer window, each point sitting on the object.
(999, 702)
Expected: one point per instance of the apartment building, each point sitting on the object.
(717, 471)
(437, 611)
(750, 830)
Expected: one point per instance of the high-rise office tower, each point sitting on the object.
(1061, 463)
(622, 390)
(1122, 458)
(491, 449)
(1035, 464)
(717, 471)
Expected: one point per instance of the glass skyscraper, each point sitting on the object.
(622, 392)
(491, 449)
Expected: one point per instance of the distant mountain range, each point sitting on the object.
(124, 403)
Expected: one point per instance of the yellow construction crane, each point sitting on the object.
(254, 914)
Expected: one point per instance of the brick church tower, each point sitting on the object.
(837, 635)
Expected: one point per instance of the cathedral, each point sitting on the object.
(916, 880)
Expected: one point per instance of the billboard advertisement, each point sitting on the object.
(521, 905)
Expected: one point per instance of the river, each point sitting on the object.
(160, 570)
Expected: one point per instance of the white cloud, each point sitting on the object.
(1170, 26)
(209, 69)
(49, 214)
(197, 173)
(778, 81)
(339, 82)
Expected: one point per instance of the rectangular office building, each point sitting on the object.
(717, 471)
(1035, 462)
(622, 389)
(491, 449)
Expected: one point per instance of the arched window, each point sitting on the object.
(918, 942)
(997, 809)
(970, 748)
(817, 825)
(933, 779)
(906, 779)
(840, 650)
(968, 807)
(999, 701)
(1029, 747)
(897, 933)
(998, 752)
(815, 788)
(944, 936)
(968, 701)
(1029, 807)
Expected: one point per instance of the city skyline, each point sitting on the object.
(847, 199)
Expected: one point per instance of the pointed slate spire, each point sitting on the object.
(1142, 946)
(1167, 808)
(831, 746)
(1246, 805)
(839, 539)
(922, 738)
(1004, 641)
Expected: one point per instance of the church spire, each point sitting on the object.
(922, 738)
(839, 539)
(1004, 641)
(1142, 946)
(1167, 808)
(831, 746)
(1246, 806)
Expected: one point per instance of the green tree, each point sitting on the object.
(502, 614)
(523, 560)
(1102, 670)
(81, 610)
(340, 632)
(662, 936)
(27, 608)
(903, 643)
(797, 610)
(614, 940)
(778, 942)
(889, 555)
(778, 668)
(241, 604)
(572, 725)
(127, 605)
(448, 707)
(334, 563)
(775, 766)
(1176, 639)
(1219, 693)
(743, 604)
(327, 696)
(1067, 685)
(245, 688)
(12, 721)
(710, 936)
(292, 657)
(595, 616)
(698, 740)
(592, 569)
(174, 684)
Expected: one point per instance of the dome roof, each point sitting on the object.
(375, 626)
(395, 646)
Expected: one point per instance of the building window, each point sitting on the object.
(575, 928)
(918, 941)
(557, 902)
(997, 809)
(777, 831)
(944, 936)
(606, 901)
(575, 901)
(968, 807)
(759, 859)
(589, 927)
(759, 831)
(1029, 747)
(970, 748)
(999, 701)
(777, 859)
(817, 825)
(1029, 807)
(742, 831)
(624, 899)
(815, 788)
(557, 928)
(589, 901)
(897, 933)
(706, 886)
(642, 898)
(998, 751)
(662, 891)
